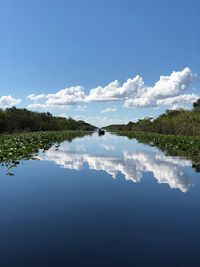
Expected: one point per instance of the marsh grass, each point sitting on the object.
(172, 145)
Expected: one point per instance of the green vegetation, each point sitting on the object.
(177, 122)
(173, 145)
(20, 120)
(24, 146)
(176, 132)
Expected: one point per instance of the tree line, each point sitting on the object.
(178, 122)
(20, 120)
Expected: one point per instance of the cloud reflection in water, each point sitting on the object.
(131, 164)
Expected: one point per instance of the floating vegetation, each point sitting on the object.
(24, 146)
(173, 145)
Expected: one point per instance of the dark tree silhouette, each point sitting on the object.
(19, 120)
(178, 122)
(196, 104)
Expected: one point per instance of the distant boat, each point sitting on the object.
(101, 132)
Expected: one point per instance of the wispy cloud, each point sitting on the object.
(35, 97)
(108, 110)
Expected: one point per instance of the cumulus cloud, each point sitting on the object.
(134, 92)
(181, 99)
(63, 98)
(167, 87)
(108, 110)
(108, 93)
(114, 92)
(8, 101)
(67, 96)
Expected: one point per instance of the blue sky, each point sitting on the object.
(47, 46)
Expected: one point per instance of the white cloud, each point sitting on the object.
(64, 97)
(67, 96)
(166, 87)
(179, 106)
(108, 93)
(37, 106)
(35, 97)
(134, 92)
(101, 121)
(8, 101)
(186, 98)
(114, 92)
(108, 110)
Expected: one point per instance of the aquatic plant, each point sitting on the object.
(24, 146)
(173, 145)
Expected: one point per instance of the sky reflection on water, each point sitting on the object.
(100, 201)
(118, 155)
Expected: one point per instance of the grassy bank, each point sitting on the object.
(173, 145)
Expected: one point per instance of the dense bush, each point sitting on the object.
(179, 122)
(19, 120)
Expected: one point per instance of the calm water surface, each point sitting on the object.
(100, 201)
